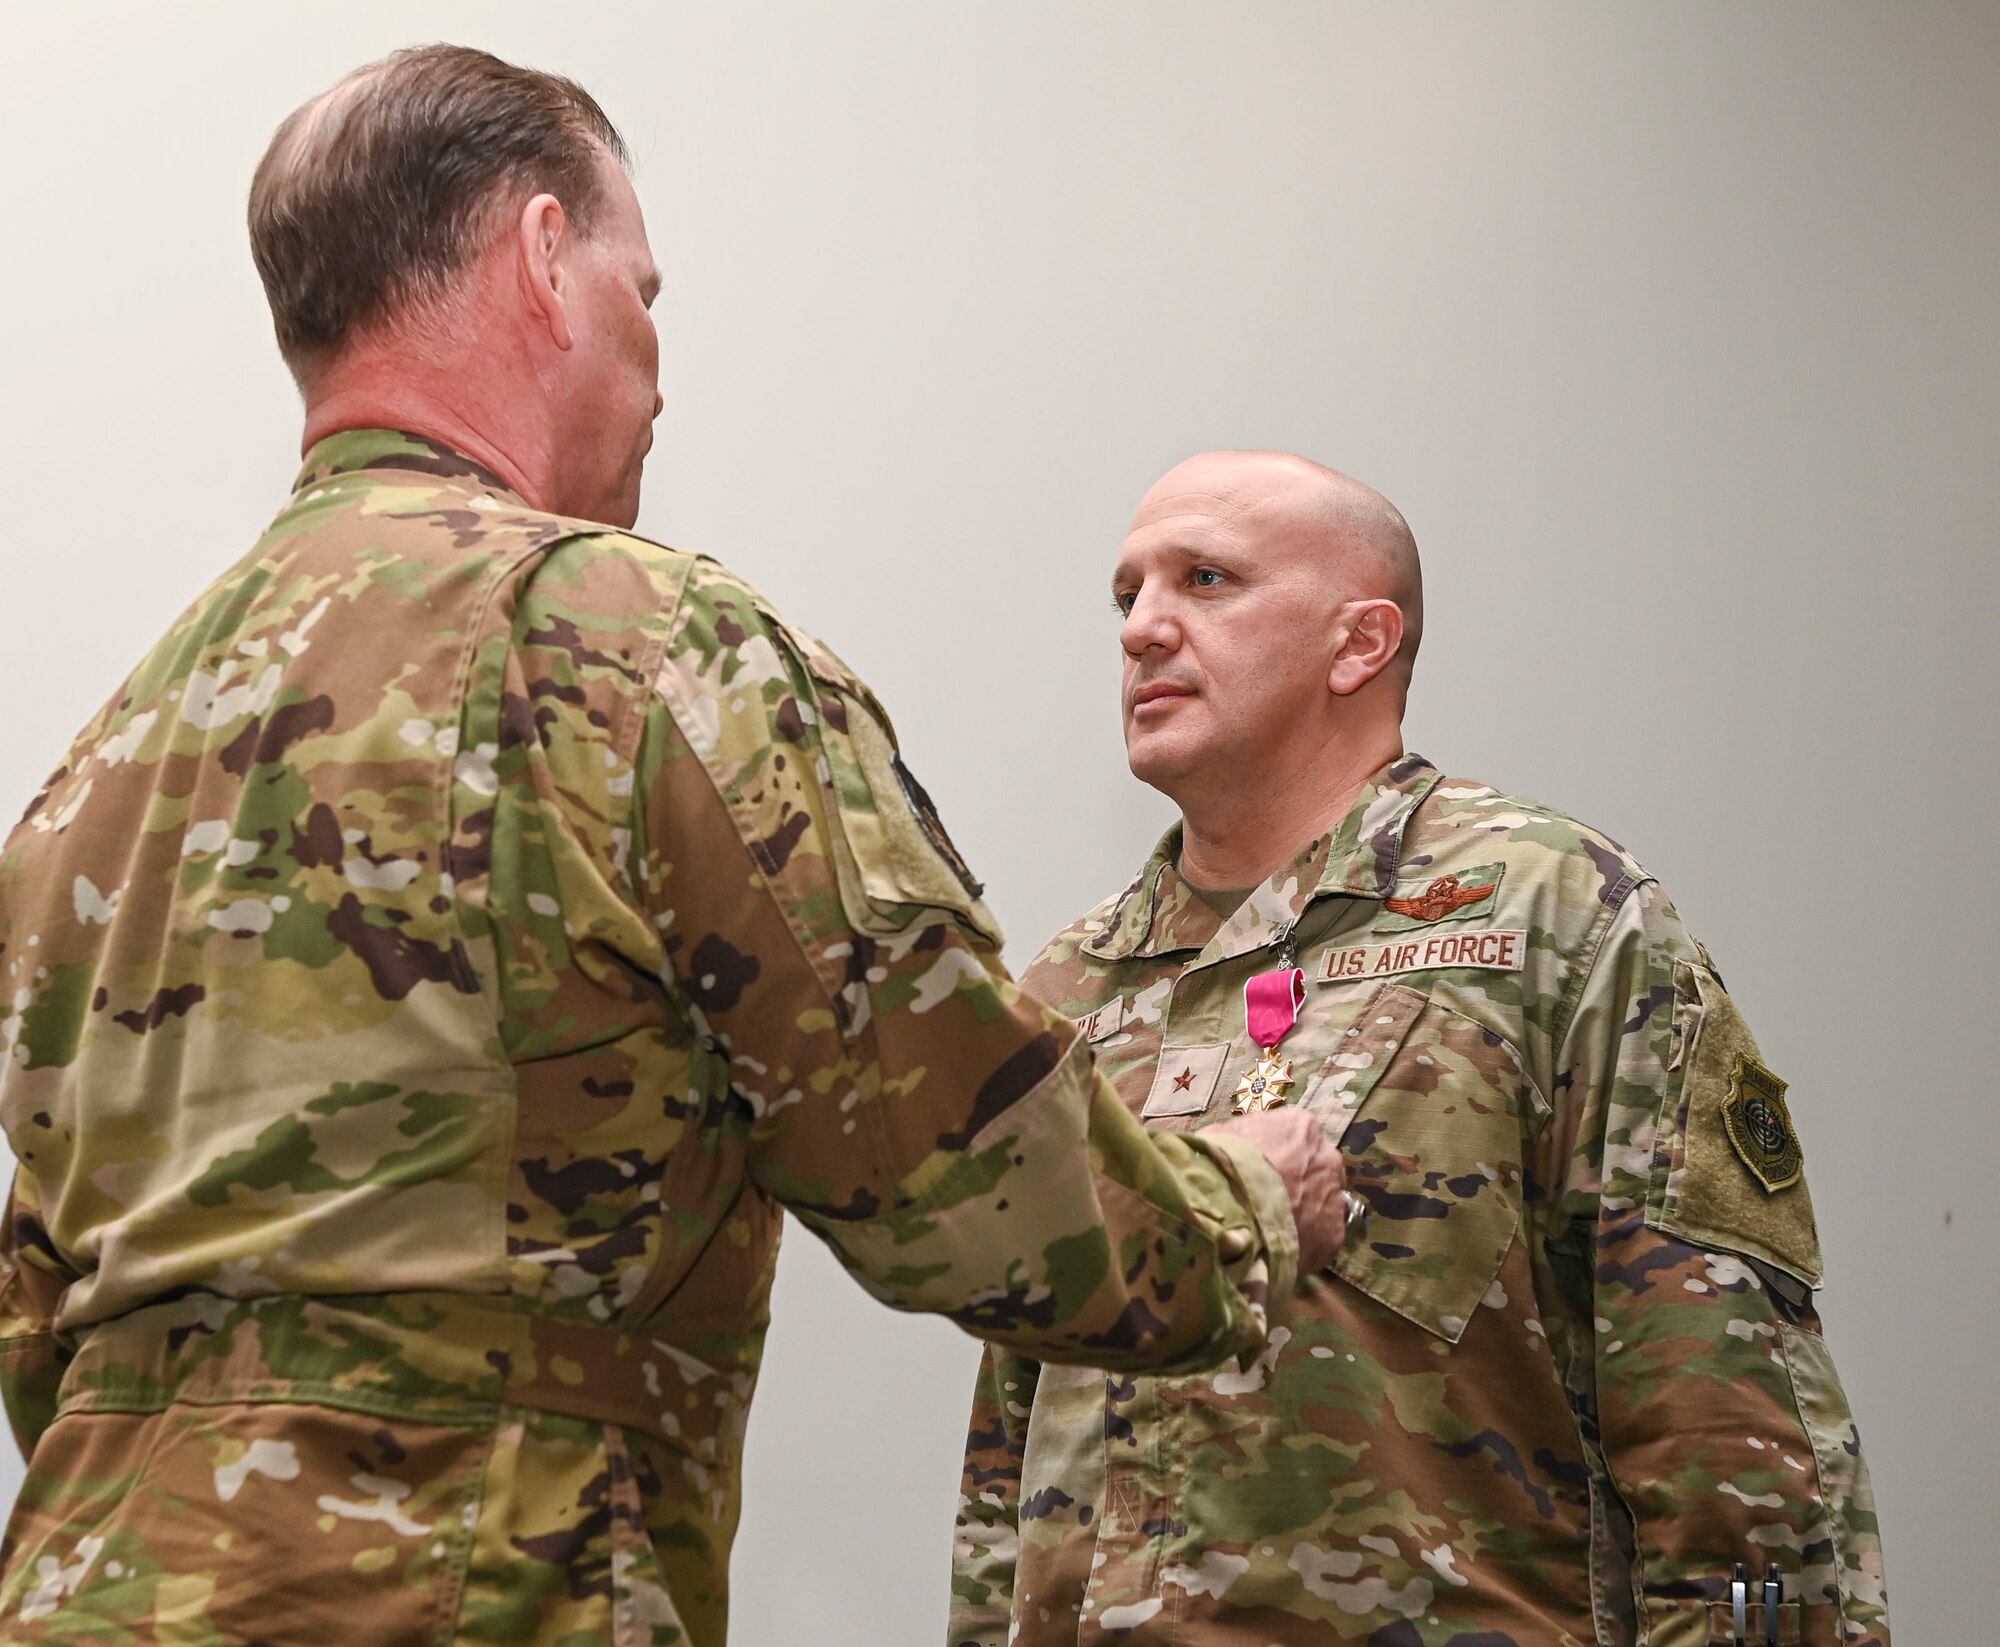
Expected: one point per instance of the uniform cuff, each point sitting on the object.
(1267, 1254)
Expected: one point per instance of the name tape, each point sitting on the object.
(1107, 1020)
(1491, 951)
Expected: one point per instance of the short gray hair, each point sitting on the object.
(374, 195)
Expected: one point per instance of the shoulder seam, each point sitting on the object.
(632, 727)
(1614, 898)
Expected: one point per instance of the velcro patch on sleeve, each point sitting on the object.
(1731, 1173)
(1488, 950)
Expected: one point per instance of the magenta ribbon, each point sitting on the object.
(1271, 1003)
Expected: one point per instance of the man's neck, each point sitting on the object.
(1243, 833)
(463, 419)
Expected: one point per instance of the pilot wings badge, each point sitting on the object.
(1446, 897)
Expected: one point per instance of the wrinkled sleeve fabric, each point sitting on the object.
(33, 1277)
(945, 1134)
(1694, 1353)
(986, 1546)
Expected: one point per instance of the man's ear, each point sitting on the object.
(542, 245)
(1369, 633)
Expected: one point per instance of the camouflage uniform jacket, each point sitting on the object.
(424, 982)
(1564, 1376)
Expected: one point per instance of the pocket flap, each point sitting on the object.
(1348, 1072)
(1428, 1106)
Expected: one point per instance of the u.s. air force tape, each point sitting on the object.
(1491, 950)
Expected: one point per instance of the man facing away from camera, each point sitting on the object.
(432, 971)
(1566, 1374)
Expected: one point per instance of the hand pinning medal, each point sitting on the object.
(1271, 1003)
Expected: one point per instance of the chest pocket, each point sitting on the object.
(1429, 1108)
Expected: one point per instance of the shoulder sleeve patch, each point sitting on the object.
(1728, 1168)
(1759, 1128)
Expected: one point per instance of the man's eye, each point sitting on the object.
(1122, 603)
(1207, 577)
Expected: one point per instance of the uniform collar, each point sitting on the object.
(353, 450)
(1160, 913)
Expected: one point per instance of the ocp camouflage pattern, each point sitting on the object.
(424, 983)
(1567, 1372)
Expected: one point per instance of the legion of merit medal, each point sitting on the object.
(1271, 1003)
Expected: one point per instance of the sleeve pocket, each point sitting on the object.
(896, 863)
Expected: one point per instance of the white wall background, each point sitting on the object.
(1673, 329)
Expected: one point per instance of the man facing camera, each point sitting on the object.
(1566, 1373)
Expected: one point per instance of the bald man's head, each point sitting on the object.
(1361, 536)
(1272, 606)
